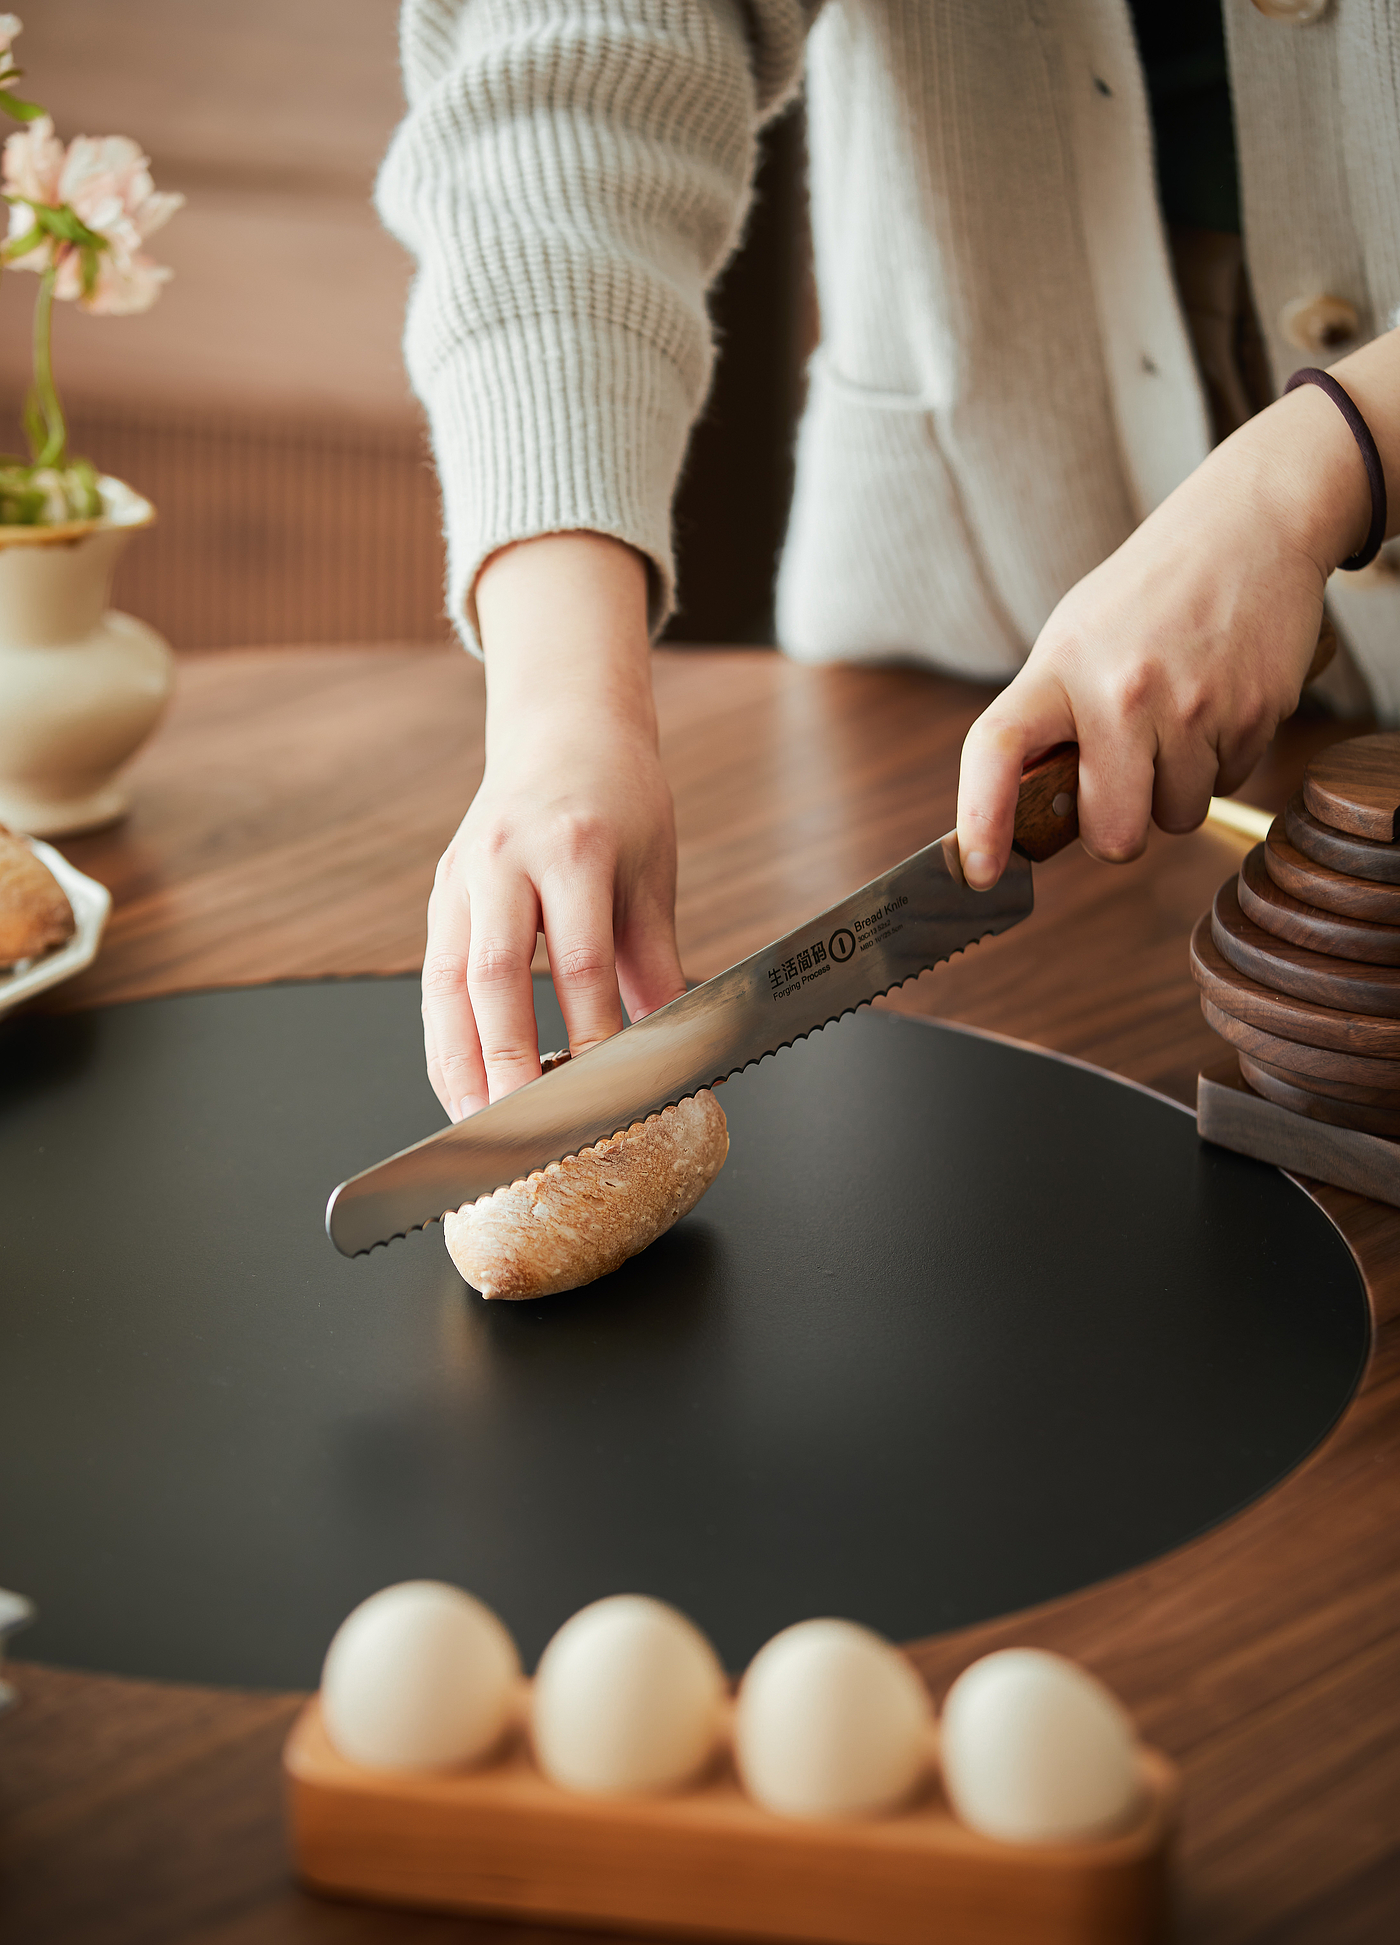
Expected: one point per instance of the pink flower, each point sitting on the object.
(121, 289)
(107, 184)
(32, 169)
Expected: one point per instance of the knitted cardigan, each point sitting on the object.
(1005, 385)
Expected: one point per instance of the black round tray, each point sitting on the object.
(960, 1327)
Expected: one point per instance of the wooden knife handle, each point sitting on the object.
(1047, 810)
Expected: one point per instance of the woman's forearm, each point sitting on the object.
(564, 631)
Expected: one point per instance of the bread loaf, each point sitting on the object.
(35, 916)
(581, 1218)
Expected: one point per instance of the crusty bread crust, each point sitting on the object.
(35, 916)
(579, 1219)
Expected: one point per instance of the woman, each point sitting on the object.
(1005, 465)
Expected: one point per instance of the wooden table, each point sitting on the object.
(287, 822)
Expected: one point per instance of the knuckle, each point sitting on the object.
(978, 817)
(991, 731)
(1195, 708)
(460, 1061)
(489, 840)
(1060, 646)
(1132, 690)
(582, 963)
(444, 977)
(506, 1053)
(578, 836)
(1067, 658)
(492, 962)
(999, 731)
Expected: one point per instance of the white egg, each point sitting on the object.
(1036, 1750)
(419, 1676)
(627, 1698)
(832, 1721)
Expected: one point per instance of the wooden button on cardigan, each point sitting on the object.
(1319, 323)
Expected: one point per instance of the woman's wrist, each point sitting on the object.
(1313, 471)
(563, 621)
(1297, 467)
(1300, 466)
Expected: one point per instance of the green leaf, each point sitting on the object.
(21, 509)
(84, 495)
(17, 110)
(23, 502)
(22, 245)
(66, 224)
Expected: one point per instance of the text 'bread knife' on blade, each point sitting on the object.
(889, 931)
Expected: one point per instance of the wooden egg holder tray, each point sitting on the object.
(502, 1840)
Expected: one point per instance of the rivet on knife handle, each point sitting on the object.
(1047, 810)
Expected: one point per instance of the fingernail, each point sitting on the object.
(980, 870)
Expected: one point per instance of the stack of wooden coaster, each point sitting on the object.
(1298, 963)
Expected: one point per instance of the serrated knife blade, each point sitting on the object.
(889, 931)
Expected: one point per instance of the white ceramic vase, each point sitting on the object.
(81, 687)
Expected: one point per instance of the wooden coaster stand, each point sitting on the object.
(504, 1841)
(1298, 965)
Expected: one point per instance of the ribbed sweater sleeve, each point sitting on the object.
(570, 177)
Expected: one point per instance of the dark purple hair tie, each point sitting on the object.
(1371, 459)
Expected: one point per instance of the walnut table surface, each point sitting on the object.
(287, 820)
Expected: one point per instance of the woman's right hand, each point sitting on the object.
(571, 833)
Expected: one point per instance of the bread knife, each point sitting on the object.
(889, 931)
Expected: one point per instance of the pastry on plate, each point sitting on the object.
(35, 915)
(581, 1218)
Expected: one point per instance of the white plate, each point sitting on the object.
(91, 903)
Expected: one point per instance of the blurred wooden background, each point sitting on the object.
(263, 405)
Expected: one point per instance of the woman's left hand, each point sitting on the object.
(1172, 664)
